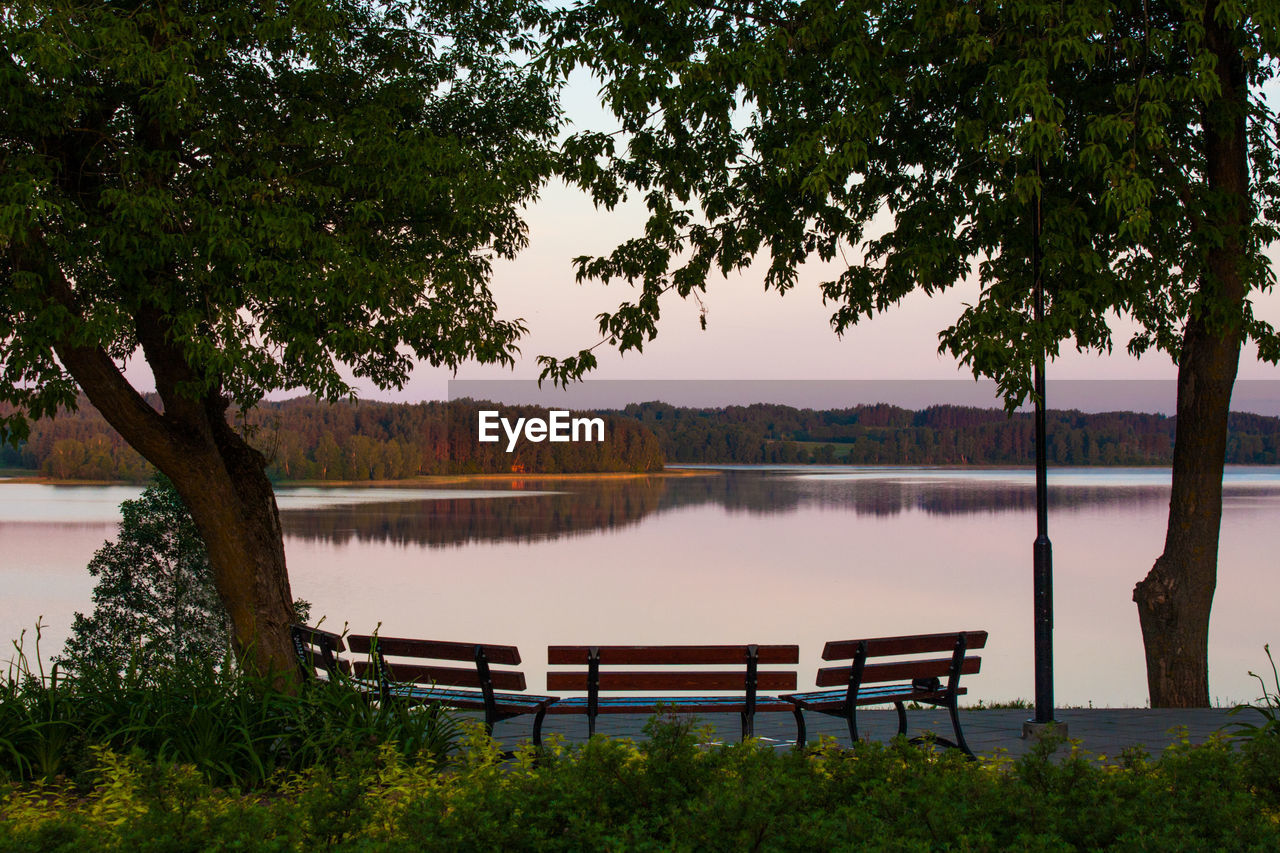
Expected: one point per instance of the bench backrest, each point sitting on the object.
(746, 676)
(914, 658)
(400, 660)
(318, 652)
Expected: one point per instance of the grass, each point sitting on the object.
(670, 794)
(200, 759)
(232, 729)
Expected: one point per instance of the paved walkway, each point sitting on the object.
(1101, 731)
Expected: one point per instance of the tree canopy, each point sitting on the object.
(261, 195)
(255, 196)
(1120, 151)
(913, 143)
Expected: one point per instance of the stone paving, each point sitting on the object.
(1101, 731)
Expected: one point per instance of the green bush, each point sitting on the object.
(1267, 707)
(154, 602)
(232, 729)
(1261, 739)
(670, 794)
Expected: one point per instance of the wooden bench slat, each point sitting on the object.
(317, 652)
(438, 649)
(825, 699)
(317, 664)
(653, 704)
(421, 680)
(897, 671)
(907, 645)
(317, 637)
(523, 703)
(412, 673)
(315, 659)
(672, 655)
(671, 681)
(890, 670)
(742, 661)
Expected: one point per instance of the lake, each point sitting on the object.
(767, 555)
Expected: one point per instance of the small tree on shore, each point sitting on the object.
(155, 604)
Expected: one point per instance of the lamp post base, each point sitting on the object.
(1037, 730)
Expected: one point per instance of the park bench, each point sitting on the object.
(411, 671)
(912, 675)
(318, 652)
(683, 685)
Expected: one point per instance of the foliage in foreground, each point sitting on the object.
(227, 727)
(1267, 707)
(671, 794)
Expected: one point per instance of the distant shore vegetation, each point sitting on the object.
(938, 435)
(307, 440)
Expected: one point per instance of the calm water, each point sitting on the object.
(746, 555)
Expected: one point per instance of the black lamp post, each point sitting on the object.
(1043, 548)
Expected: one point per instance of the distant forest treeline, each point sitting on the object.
(305, 439)
(309, 440)
(939, 435)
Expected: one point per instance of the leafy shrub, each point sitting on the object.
(1267, 707)
(231, 728)
(154, 601)
(154, 605)
(667, 793)
(1261, 740)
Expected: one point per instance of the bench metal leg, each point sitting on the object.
(802, 733)
(959, 743)
(537, 726)
(852, 719)
(902, 717)
(955, 725)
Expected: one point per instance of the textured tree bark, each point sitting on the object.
(1175, 598)
(232, 502)
(221, 478)
(223, 482)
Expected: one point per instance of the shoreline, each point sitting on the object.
(423, 482)
(673, 471)
(434, 480)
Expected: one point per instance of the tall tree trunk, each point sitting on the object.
(220, 477)
(234, 506)
(1175, 598)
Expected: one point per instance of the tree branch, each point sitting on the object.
(100, 377)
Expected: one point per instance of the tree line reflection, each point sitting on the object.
(581, 507)
(589, 507)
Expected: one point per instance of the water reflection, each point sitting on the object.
(801, 555)
(447, 522)
(887, 494)
(578, 507)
